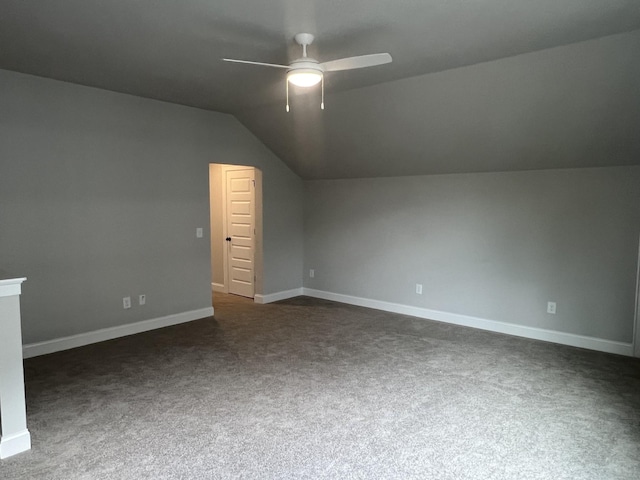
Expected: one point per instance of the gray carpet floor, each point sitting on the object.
(311, 389)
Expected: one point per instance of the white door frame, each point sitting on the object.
(258, 254)
(225, 250)
(216, 203)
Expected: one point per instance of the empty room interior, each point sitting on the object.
(320, 239)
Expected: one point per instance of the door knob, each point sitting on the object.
(228, 239)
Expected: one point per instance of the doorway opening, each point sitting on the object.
(235, 207)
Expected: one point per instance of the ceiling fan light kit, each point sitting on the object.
(304, 77)
(306, 71)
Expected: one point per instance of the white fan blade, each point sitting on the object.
(356, 62)
(255, 63)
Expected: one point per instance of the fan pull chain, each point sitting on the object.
(287, 82)
(322, 101)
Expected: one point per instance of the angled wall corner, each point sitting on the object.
(101, 196)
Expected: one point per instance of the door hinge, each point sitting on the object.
(254, 183)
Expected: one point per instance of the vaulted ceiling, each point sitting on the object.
(376, 122)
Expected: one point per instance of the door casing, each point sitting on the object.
(219, 253)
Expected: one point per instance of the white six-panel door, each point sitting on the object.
(240, 205)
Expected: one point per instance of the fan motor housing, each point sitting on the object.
(305, 64)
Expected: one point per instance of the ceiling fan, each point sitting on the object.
(307, 72)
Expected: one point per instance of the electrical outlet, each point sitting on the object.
(312, 273)
(142, 299)
(551, 308)
(419, 288)
(199, 232)
(126, 302)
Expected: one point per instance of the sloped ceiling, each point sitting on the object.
(396, 119)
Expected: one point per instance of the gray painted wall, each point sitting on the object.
(100, 196)
(492, 245)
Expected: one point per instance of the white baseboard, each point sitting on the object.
(13, 444)
(218, 287)
(274, 297)
(73, 341)
(571, 339)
